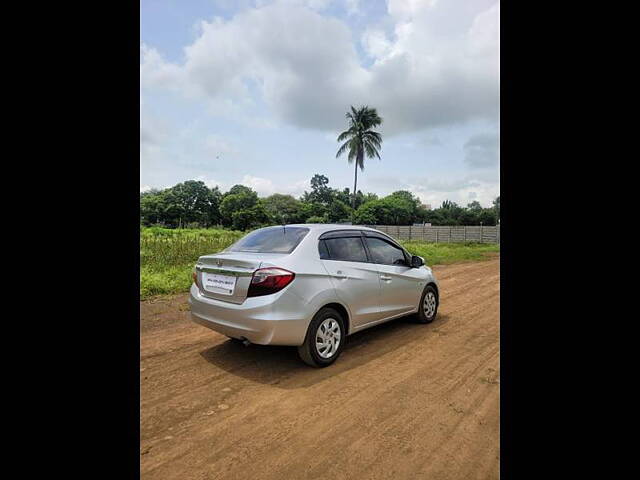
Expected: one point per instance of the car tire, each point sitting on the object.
(326, 320)
(428, 301)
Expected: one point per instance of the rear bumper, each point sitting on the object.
(269, 320)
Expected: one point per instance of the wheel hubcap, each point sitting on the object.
(429, 306)
(328, 338)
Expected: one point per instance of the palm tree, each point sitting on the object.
(360, 139)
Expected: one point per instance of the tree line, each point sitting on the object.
(193, 204)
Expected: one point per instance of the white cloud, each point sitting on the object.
(261, 185)
(353, 7)
(265, 186)
(484, 35)
(375, 43)
(315, 4)
(152, 129)
(219, 147)
(212, 183)
(483, 192)
(407, 9)
(153, 133)
(156, 72)
(482, 150)
(435, 190)
(440, 66)
(446, 77)
(432, 139)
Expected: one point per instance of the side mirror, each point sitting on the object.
(416, 261)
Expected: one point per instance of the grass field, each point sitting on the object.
(443, 253)
(167, 256)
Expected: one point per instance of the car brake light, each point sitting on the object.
(195, 277)
(266, 281)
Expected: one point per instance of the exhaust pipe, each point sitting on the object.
(246, 342)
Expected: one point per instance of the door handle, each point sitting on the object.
(340, 275)
(384, 277)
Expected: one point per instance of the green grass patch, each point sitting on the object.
(444, 253)
(169, 280)
(167, 256)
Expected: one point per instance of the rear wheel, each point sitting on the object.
(324, 340)
(428, 305)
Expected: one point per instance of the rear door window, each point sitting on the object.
(348, 249)
(270, 240)
(322, 249)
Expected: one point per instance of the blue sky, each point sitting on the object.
(254, 92)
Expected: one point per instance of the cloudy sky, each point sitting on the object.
(255, 92)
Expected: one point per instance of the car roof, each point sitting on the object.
(325, 227)
(320, 228)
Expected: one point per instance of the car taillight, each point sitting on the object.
(266, 281)
(195, 277)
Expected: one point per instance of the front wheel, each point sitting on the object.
(428, 305)
(324, 340)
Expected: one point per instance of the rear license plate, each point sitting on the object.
(223, 284)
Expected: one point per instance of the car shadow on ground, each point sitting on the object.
(282, 368)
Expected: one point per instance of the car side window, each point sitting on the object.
(385, 253)
(348, 249)
(322, 249)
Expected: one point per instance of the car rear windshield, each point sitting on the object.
(270, 240)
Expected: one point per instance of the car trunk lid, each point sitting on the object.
(226, 275)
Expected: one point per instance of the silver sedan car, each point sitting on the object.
(310, 286)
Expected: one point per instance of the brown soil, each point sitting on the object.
(404, 400)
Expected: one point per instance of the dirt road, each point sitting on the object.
(404, 400)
